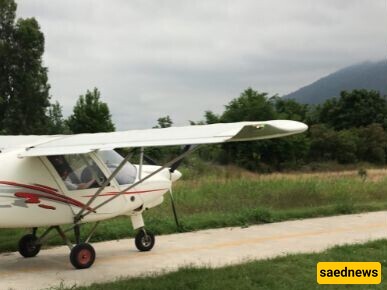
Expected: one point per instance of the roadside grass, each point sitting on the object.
(220, 196)
(292, 272)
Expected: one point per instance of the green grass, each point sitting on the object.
(293, 272)
(224, 196)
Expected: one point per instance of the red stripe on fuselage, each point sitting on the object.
(46, 187)
(53, 195)
(29, 197)
(34, 198)
(47, 206)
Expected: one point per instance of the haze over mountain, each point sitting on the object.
(367, 75)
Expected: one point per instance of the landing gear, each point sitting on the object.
(144, 240)
(82, 256)
(28, 246)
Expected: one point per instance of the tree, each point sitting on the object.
(358, 108)
(328, 144)
(211, 117)
(288, 109)
(346, 148)
(323, 142)
(90, 114)
(7, 19)
(372, 144)
(56, 122)
(164, 122)
(250, 106)
(24, 88)
(264, 155)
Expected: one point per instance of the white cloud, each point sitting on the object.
(153, 58)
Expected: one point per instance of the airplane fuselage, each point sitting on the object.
(33, 194)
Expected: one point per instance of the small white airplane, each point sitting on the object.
(51, 181)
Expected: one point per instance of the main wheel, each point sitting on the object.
(82, 256)
(28, 247)
(144, 241)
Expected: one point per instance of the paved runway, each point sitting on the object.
(214, 248)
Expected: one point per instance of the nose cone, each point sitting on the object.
(175, 175)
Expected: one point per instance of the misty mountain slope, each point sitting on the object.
(366, 75)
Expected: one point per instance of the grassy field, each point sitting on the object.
(293, 272)
(226, 196)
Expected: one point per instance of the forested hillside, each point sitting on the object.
(366, 75)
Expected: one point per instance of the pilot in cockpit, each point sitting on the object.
(66, 173)
(73, 186)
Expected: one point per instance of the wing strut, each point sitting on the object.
(84, 212)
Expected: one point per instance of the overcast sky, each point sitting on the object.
(179, 58)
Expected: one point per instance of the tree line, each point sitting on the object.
(350, 128)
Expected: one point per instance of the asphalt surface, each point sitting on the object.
(214, 248)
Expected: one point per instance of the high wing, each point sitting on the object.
(200, 134)
(14, 142)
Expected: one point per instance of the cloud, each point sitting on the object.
(180, 58)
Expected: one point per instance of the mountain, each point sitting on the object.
(366, 75)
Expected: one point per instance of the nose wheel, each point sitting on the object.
(82, 256)
(144, 240)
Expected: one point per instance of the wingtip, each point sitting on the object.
(302, 126)
(289, 125)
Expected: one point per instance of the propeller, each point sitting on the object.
(172, 169)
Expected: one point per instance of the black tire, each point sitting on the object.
(28, 247)
(82, 256)
(144, 242)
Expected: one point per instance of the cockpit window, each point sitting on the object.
(112, 159)
(78, 171)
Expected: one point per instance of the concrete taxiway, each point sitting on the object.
(215, 248)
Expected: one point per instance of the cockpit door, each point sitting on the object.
(79, 176)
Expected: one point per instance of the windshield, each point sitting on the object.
(112, 159)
